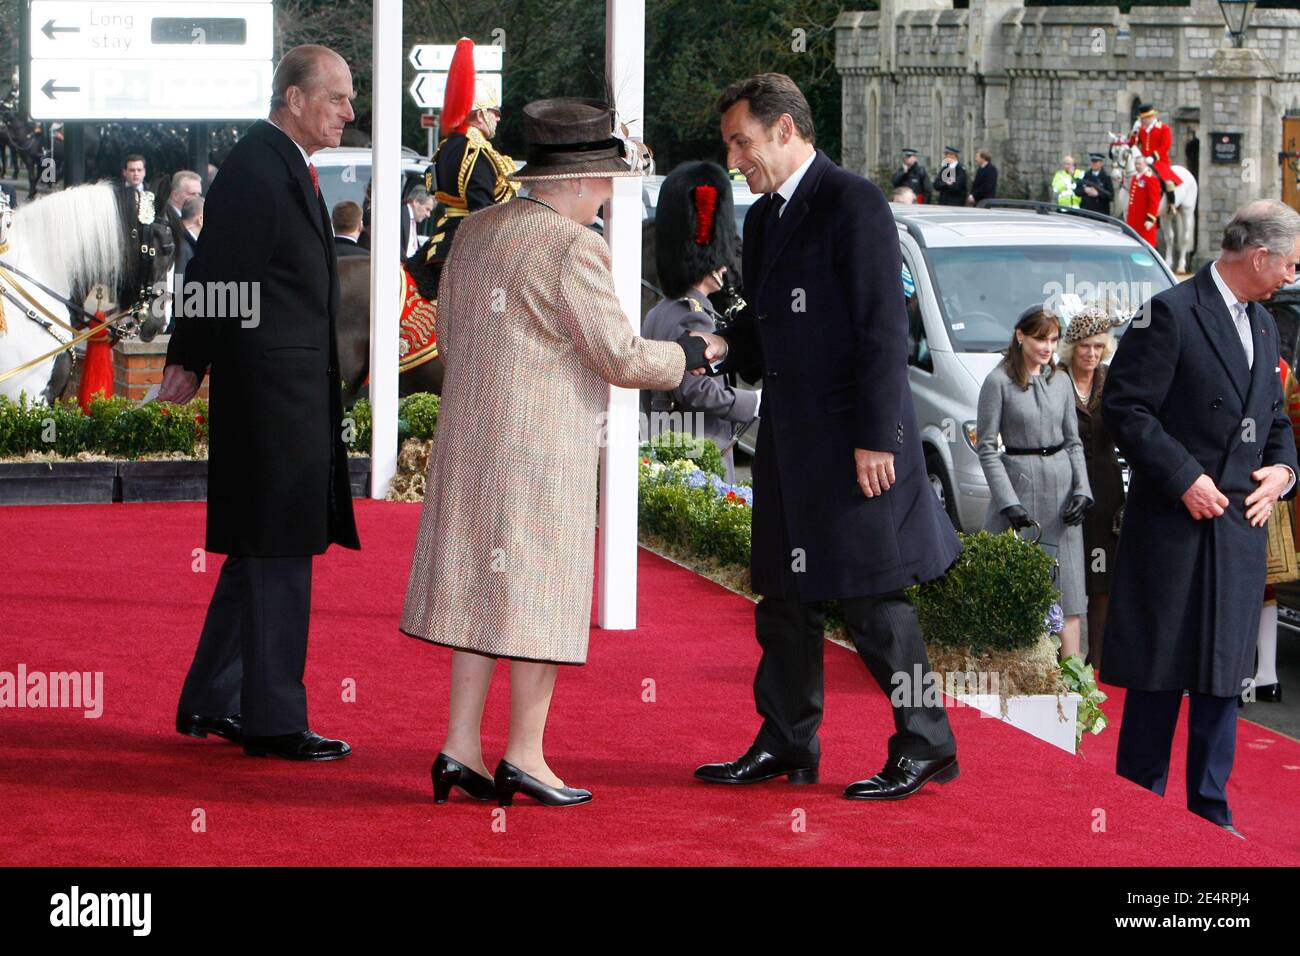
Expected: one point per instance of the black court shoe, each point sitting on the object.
(510, 780)
(448, 773)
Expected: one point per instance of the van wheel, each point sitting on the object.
(942, 488)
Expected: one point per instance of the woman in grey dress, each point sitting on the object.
(1040, 475)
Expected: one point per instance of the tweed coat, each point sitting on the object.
(530, 331)
(1041, 416)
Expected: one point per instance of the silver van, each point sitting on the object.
(968, 273)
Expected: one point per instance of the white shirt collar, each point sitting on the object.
(792, 183)
(1229, 299)
(291, 139)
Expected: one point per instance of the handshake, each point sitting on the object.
(702, 350)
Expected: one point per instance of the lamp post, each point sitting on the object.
(1236, 14)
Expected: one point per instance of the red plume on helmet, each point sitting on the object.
(459, 98)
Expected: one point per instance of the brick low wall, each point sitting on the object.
(136, 367)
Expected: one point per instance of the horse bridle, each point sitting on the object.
(125, 322)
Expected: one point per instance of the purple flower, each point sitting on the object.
(1055, 620)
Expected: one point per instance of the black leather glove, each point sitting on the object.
(1018, 516)
(694, 347)
(1075, 509)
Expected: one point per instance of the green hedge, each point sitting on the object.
(113, 427)
(679, 446)
(996, 595)
(417, 417)
(679, 503)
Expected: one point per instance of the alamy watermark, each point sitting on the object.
(75, 690)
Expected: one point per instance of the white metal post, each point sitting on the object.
(625, 69)
(385, 254)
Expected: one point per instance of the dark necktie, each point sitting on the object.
(315, 178)
(774, 211)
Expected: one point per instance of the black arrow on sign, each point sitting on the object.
(49, 89)
(50, 29)
(419, 83)
(418, 64)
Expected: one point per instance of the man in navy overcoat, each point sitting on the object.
(1194, 400)
(843, 509)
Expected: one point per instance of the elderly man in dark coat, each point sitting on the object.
(842, 507)
(278, 489)
(1195, 403)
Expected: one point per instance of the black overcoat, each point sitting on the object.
(827, 327)
(277, 466)
(1181, 401)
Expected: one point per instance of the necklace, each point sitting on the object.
(1083, 396)
(542, 202)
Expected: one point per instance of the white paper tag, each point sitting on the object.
(149, 396)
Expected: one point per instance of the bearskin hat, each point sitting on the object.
(695, 226)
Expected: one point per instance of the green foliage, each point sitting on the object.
(1079, 677)
(679, 446)
(417, 417)
(996, 595)
(696, 518)
(360, 430)
(113, 426)
(420, 412)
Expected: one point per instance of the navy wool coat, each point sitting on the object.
(1181, 402)
(277, 466)
(827, 328)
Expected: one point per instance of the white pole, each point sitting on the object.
(625, 69)
(385, 194)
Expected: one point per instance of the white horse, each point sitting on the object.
(1178, 228)
(69, 241)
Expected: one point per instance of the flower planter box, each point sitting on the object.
(359, 475)
(1045, 716)
(182, 479)
(57, 483)
(103, 482)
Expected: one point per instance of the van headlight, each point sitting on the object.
(968, 429)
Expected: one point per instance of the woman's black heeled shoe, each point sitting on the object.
(510, 780)
(447, 773)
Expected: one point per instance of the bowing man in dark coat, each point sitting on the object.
(843, 510)
(278, 489)
(1195, 402)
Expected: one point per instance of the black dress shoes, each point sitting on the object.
(193, 725)
(1269, 693)
(510, 780)
(448, 773)
(759, 765)
(902, 777)
(303, 745)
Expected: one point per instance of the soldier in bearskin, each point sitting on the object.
(467, 173)
(695, 244)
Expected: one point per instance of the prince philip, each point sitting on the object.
(278, 489)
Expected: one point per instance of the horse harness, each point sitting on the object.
(33, 310)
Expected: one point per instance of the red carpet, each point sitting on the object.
(124, 788)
